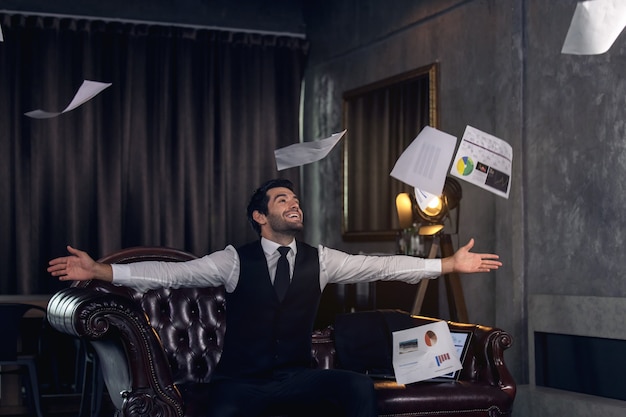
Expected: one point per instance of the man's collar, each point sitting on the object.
(271, 246)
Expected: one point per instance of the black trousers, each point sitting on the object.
(303, 392)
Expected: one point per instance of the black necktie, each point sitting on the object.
(281, 280)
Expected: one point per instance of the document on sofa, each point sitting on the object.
(424, 352)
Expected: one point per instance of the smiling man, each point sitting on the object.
(265, 365)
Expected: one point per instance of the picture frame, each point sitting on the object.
(381, 120)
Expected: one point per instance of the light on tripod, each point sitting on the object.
(434, 210)
(434, 206)
(429, 212)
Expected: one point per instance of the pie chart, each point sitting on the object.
(465, 165)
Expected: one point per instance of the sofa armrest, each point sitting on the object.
(132, 359)
(499, 342)
(323, 348)
(485, 361)
(363, 342)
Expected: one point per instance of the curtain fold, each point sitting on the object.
(168, 155)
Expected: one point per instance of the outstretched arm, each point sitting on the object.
(79, 266)
(466, 262)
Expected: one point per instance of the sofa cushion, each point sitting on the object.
(363, 340)
(460, 398)
(426, 398)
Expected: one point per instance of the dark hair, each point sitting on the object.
(258, 201)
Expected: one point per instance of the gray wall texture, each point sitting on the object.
(501, 71)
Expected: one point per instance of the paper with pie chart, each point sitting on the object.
(424, 352)
(484, 160)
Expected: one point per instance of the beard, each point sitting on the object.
(280, 225)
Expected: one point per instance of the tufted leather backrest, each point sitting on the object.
(189, 321)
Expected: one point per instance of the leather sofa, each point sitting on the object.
(157, 350)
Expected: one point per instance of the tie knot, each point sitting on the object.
(284, 250)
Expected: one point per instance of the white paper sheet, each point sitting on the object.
(595, 26)
(484, 160)
(424, 198)
(424, 352)
(87, 91)
(1, 35)
(425, 162)
(304, 153)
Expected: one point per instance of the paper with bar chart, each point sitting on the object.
(424, 352)
(484, 160)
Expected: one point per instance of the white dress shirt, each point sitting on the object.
(222, 268)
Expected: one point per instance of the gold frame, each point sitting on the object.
(430, 71)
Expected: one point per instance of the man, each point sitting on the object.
(265, 363)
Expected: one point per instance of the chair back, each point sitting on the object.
(189, 321)
(11, 315)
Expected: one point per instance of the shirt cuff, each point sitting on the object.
(432, 265)
(121, 273)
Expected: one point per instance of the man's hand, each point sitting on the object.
(79, 267)
(466, 262)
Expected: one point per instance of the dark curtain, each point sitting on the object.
(168, 155)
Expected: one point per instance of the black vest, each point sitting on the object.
(263, 334)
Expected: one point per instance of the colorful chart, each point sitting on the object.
(465, 166)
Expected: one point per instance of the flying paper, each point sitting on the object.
(306, 152)
(425, 162)
(484, 160)
(423, 198)
(87, 91)
(595, 26)
(424, 352)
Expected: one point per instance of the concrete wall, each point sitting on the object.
(576, 158)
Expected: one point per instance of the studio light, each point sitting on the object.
(435, 210)
(423, 218)
(439, 208)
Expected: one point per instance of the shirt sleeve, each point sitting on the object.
(218, 268)
(341, 268)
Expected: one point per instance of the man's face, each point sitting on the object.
(283, 211)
